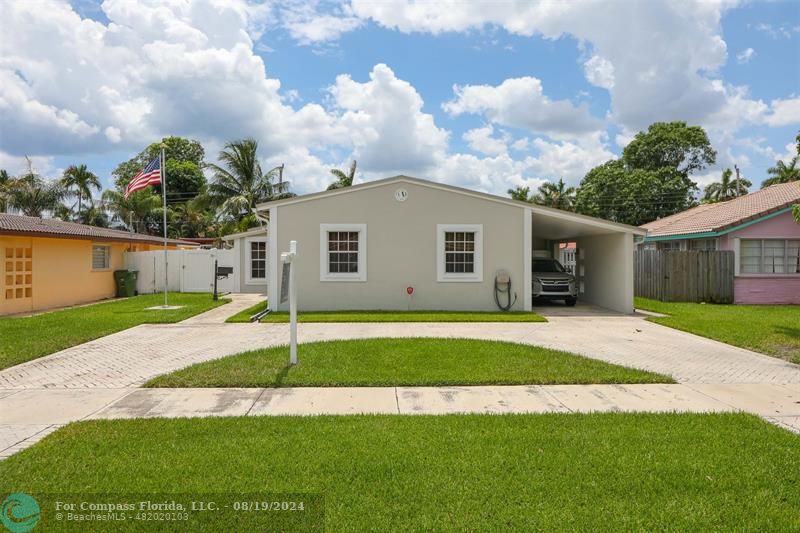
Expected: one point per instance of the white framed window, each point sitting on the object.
(343, 252)
(703, 245)
(101, 257)
(459, 252)
(256, 255)
(769, 256)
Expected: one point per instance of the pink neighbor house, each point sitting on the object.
(760, 230)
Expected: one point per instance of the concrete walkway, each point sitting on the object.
(29, 415)
(98, 378)
(218, 315)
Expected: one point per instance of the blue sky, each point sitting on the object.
(486, 95)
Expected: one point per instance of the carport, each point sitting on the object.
(604, 256)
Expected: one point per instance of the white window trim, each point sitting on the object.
(472, 277)
(361, 275)
(108, 257)
(248, 256)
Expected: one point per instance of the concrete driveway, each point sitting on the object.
(88, 379)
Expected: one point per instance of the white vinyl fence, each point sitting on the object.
(188, 270)
(568, 259)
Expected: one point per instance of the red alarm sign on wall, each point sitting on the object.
(410, 290)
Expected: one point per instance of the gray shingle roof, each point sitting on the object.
(52, 227)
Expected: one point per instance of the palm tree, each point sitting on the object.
(94, 216)
(241, 184)
(556, 195)
(5, 189)
(783, 173)
(33, 195)
(726, 188)
(82, 181)
(193, 218)
(343, 180)
(523, 194)
(139, 212)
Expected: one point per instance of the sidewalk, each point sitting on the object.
(28, 415)
(98, 379)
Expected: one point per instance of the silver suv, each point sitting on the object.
(551, 281)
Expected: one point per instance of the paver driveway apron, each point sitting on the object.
(129, 358)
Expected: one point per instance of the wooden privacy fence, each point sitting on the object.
(690, 276)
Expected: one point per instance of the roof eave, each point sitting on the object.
(721, 230)
(254, 231)
(613, 226)
(55, 235)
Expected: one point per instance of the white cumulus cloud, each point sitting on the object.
(599, 72)
(745, 56)
(483, 140)
(521, 103)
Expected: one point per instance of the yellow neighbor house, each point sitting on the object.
(48, 263)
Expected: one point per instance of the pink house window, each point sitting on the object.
(769, 256)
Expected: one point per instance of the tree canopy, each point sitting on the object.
(686, 149)
(652, 178)
(184, 168)
(784, 172)
(343, 179)
(240, 183)
(557, 195)
(33, 195)
(726, 188)
(80, 182)
(523, 194)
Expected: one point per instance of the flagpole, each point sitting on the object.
(164, 196)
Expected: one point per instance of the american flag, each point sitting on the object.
(151, 174)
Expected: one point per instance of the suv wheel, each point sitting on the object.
(571, 301)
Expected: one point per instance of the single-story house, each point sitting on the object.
(250, 260)
(760, 230)
(407, 243)
(49, 263)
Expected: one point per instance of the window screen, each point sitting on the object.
(459, 252)
(100, 257)
(769, 256)
(793, 257)
(750, 252)
(343, 252)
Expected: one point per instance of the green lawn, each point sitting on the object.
(26, 338)
(244, 316)
(598, 472)
(407, 361)
(769, 329)
(407, 316)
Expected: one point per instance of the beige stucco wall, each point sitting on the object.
(241, 251)
(608, 270)
(401, 248)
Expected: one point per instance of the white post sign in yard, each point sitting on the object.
(289, 291)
